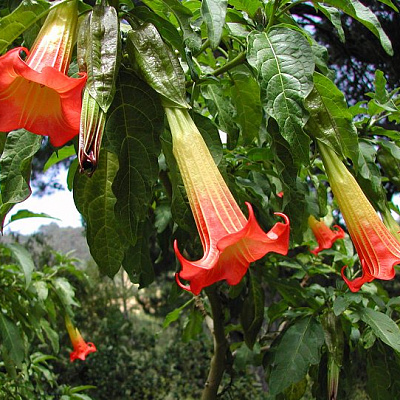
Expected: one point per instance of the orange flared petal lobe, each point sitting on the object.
(377, 248)
(355, 284)
(45, 103)
(81, 350)
(231, 258)
(324, 235)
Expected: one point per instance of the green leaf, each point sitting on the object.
(388, 157)
(166, 29)
(135, 122)
(252, 314)
(296, 391)
(213, 13)
(369, 175)
(71, 173)
(137, 261)
(24, 259)
(379, 376)
(246, 98)
(175, 314)
(330, 120)
(22, 214)
(65, 291)
(284, 63)
(299, 348)
(333, 15)
(221, 107)
(183, 15)
(42, 289)
(381, 97)
(157, 64)
(390, 4)
(12, 340)
(15, 169)
(95, 201)
(383, 326)
(25, 15)
(59, 155)
(99, 53)
(163, 216)
(51, 334)
(194, 325)
(363, 14)
(250, 6)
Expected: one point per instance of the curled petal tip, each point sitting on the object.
(355, 284)
(284, 216)
(181, 285)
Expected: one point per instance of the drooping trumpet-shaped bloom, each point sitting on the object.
(230, 241)
(35, 93)
(377, 248)
(324, 235)
(81, 348)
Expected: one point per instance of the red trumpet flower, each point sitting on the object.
(230, 241)
(325, 236)
(377, 248)
(81, 348)
(35, 93)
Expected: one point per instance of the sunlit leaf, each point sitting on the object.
(157, 64)
(59, 155)
(284, 63)
(246, 98)
(363, 14)
(24, 259)
(99, 53)
(15, 169)
(383, 326)
(25, 15)
(330, 121)
(214, 12)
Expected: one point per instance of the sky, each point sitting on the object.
(60, 205)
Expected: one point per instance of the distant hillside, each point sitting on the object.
(63, 240)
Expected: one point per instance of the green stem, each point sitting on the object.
(203, 47)
(272, 16)
(218, 362)
(238, 60)
(289, 6)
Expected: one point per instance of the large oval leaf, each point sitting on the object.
(135, 122)
(284, 62)
(95, 201)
